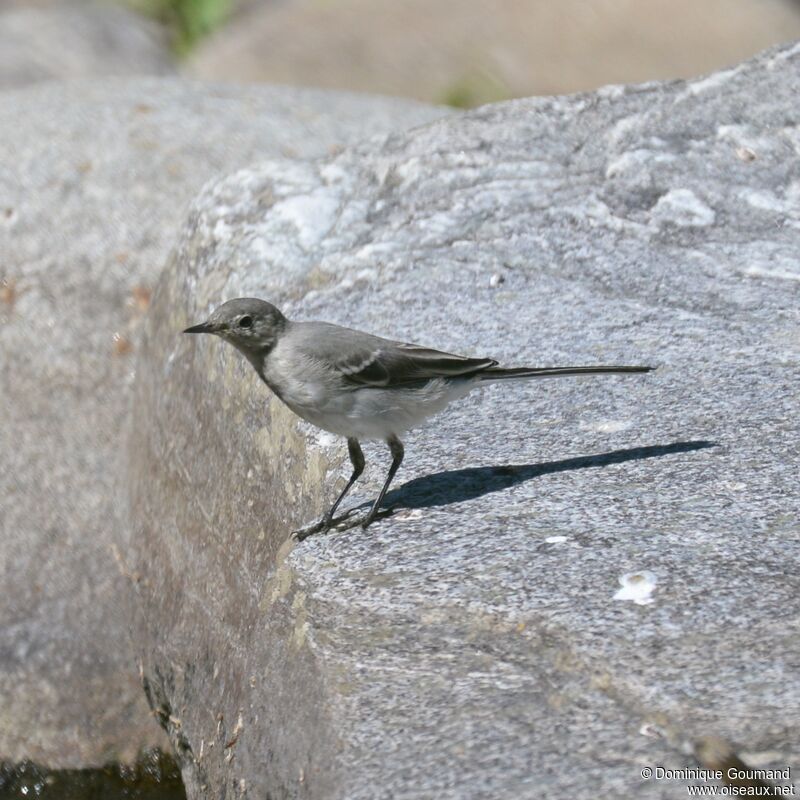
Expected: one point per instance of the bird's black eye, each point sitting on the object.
(246, 322)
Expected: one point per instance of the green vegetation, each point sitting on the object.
(475, 89)
(188, 20)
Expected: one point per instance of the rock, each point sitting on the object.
(78, 41)
(95, 182)
(471, 645)
(453, 51)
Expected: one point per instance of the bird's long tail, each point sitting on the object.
(519, 373)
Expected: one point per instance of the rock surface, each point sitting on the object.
(453, 51)
(472, 645)
(93, 184)
(73, 40)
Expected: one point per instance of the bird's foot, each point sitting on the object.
(350, 519)
(326, 524)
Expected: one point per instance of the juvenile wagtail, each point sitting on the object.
(357, 385)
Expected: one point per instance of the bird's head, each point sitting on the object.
(250, 325)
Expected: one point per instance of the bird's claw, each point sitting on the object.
(303, 533)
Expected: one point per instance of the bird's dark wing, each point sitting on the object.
(386, 364)
(362, 359)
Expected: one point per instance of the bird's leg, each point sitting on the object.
(357, 460)
(326, 523)
(396, 447)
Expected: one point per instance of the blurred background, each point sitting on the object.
(458, 52)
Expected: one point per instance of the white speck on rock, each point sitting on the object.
(612, 91)
(784, 55)
(711, 82)
(750, 141)
(626, 162)
(653, 731)
(637, 586)
(636, 162)
(325, 439)
(763, 200)
(373, 250)
(221, 230)
(409, 171)
(599, 215)
(368, 274)
(555, 539)
(682, 207)
(607, 426)
(496, 280)
(780, 274)
(621, 130)
(311, 214)
(333, 173)
(613, 426)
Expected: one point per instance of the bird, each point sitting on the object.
(357, 385)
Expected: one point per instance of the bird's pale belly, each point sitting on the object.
(373, 413)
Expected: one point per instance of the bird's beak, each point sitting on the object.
(203, 327)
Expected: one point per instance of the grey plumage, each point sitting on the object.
(359, 385)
